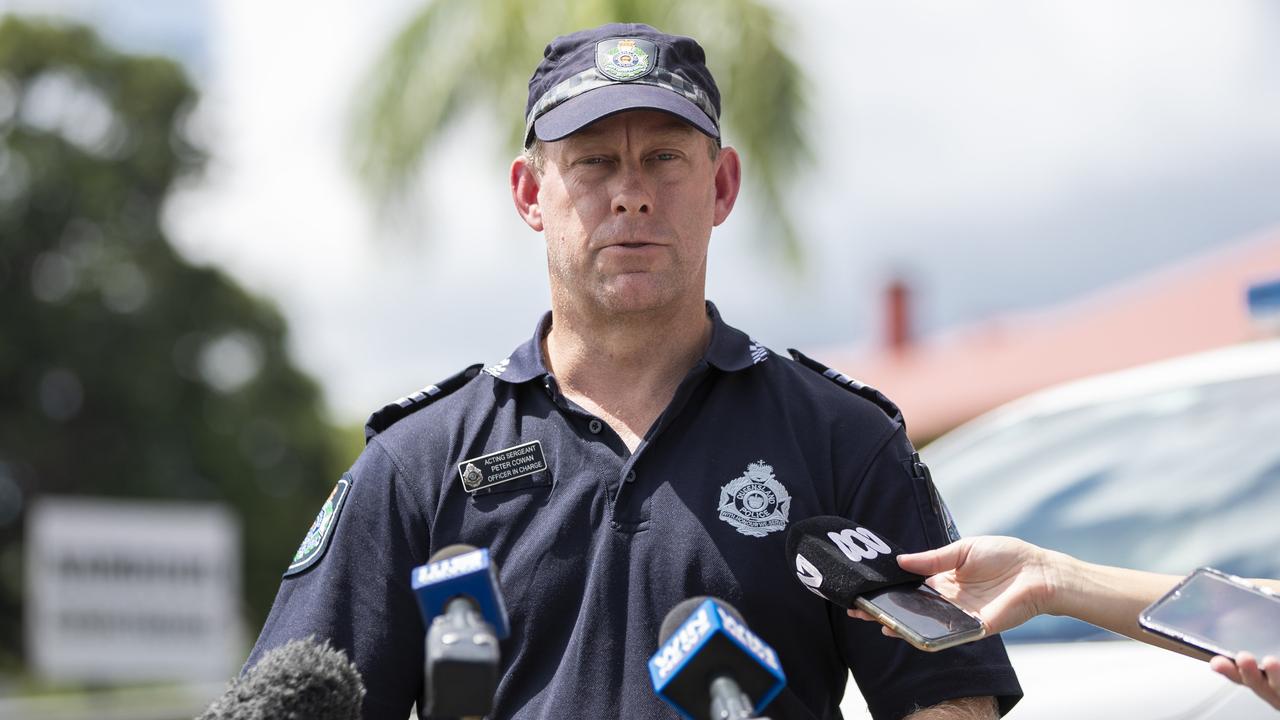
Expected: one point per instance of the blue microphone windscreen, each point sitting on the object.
(470, 573)
(706, 638)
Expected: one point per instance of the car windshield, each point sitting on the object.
(1167, 482)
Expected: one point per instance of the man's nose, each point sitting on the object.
(632, 195)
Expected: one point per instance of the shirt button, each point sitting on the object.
(631, 476)
(595, 426)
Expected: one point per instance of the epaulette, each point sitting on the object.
(406, 406)
(861, 389)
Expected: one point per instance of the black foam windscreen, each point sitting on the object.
(299, 680)
(840, 559)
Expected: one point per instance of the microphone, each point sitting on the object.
(840, 560)
(461, 605)
(851, 566)
(709, 665)
(300, 680)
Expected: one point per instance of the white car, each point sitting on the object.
(1166, 467)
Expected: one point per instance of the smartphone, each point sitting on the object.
(922, 617)
(1218, 614)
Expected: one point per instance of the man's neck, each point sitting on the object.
(626, 369)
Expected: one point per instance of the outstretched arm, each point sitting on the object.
(1006, 581)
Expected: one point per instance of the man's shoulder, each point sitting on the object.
(807, 381)
(443, 400)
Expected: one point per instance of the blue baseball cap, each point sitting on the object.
(591, 74)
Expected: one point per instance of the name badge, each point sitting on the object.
(502, 466)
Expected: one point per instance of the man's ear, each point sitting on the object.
(728, 182)
(525, 183)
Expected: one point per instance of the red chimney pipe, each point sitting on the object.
(898, 315)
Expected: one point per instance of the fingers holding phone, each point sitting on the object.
(1260, 676)
(848, 564)
(1000, 580)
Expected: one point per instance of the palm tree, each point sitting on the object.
(457, 54)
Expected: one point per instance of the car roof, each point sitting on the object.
(1236, 362)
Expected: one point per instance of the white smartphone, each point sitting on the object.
(1217, 614)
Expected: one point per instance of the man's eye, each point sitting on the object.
(665, 156)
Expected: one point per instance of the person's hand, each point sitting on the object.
(1249, 672)
(1002, 580)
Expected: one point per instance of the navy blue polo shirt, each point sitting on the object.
(598, 547)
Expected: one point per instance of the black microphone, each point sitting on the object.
(840, 560)
(851, 566)
(300, 680)
(710, 666)
(461, 604)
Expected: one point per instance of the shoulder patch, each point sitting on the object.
(406, 406)
(321, 532)
(861, 389)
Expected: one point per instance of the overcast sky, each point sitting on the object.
(999, 154)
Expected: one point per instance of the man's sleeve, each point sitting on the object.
(349, 584)
(895, 497)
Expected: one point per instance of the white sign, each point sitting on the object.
(120, 591)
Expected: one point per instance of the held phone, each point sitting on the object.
(922, 617)
(1217, 613)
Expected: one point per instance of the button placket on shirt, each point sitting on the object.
(595, 426)
(626, 480)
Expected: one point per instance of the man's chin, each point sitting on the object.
(636, 294)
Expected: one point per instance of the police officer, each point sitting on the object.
(635, 451)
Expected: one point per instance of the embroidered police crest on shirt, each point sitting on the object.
(321, 532)
(624, 59)
(755, 503)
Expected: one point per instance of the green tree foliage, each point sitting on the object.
(124, 370)
(454, 55)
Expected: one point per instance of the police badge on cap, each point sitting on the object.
(624, 59)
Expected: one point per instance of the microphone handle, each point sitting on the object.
(728, 702)
(462, 612)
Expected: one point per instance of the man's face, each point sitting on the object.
(627, 206)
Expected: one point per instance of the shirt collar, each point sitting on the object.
(730, 350)
(526, 362)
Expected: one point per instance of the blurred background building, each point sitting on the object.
(939, 381)
(229, 230)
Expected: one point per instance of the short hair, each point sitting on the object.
(535, 154)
